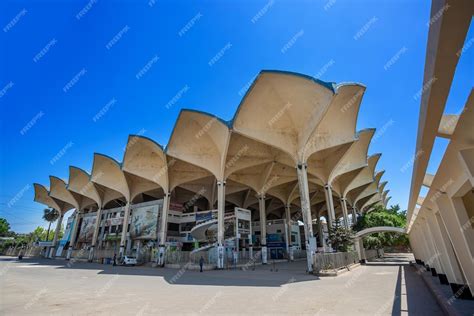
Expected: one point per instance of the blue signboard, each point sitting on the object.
(202, 217)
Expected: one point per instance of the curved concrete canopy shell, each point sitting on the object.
(364, 177)
(356, 156)
(368, 191)
(59, 191)
(42, 196)
(109, 179)
(298, 114)
(333, 162)
(200, 139)
(80, 183)
(146, 159)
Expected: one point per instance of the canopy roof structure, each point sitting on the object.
(285, 120)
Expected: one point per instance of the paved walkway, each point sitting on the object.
(52, 287)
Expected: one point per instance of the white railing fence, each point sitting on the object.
(29, 251)
(335, 260)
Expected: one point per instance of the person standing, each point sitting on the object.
(114, 260)
(201, 263)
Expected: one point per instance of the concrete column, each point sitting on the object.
(95, 236)
(458, 276)
(220, 223)
(330, 205)
(123, 239)
(429, 252)
(434, 261)
(263, 227)
(424, 254)
(344, 212)
(321, 233)
(306, 211)
(288, 228)
(163, 229)
(56, 236)
(359, 246)
(458, 238)
(72, 240)
(451, 270)
(250, 243)
(354, 215)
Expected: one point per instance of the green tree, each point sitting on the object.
(4, 227)
(41, 234)
(382, 216)
(50, 215)
(341, 238)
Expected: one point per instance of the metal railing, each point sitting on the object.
(334, 261)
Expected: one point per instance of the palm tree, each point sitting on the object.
(50, 215)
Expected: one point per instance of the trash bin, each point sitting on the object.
(108, 260)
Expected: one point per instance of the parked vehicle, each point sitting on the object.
(128, 260)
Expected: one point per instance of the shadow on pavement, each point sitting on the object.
(264, 276)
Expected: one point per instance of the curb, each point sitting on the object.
(439, 297)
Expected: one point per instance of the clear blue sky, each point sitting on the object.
(44, 46)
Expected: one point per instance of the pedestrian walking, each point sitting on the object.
(114, 260)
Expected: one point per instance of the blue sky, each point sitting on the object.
(62, 63)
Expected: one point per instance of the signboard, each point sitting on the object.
(202, 217)
(87, 227)
(67, 232)
(176, 207)
(144, 222)
(114, 221)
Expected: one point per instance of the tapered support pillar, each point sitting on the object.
(306, 211)
(289, 246)
(450, 215)
(72, 240)
(354, 215)
(163, 229)
(95, 236)
(344, 212)
(123, 239)
(330, 205)
(447, 256)
(52, 251)
(263, 227)
(322, 242)
(220, 223)
(359, 246)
